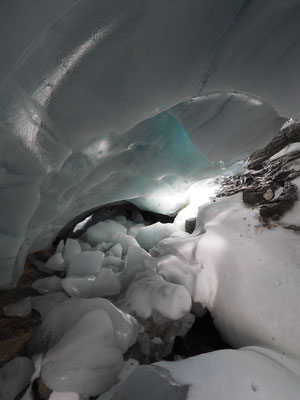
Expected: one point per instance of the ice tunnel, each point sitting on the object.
(152, 105)
(103, 101)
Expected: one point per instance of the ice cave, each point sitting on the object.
(150, 199)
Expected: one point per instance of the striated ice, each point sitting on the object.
(19, 309)
(115, 251)
(56, 262)
(78, 286)
(86, 359)
(149, 293)
(85, 263)
(71, 248)
(104, 231)
(45, 304)
(149, 236)
(65, 315)
(48, 285)
(14, 377)
(106, 284)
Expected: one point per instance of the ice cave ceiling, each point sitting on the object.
(104, 101)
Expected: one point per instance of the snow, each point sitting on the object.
(290, 148)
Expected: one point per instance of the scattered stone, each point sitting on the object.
(268, 195)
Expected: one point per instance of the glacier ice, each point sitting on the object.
(75, 136)
(15, 376)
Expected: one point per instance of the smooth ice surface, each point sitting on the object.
(67, 314)
(106, 284)
(48, 285)
(85, 120)
(56, 262)
(85, 263)
(45, 304)
(14, 377)
(86, 359)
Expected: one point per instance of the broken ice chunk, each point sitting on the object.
(104, 231)
(60, 247)
(150, 293)
(113, 261)
(134, 263)
(85, 246)
(70, 311)
(48, 285)
(106, 284)
(19, 309)
(56, 262)
(103, 246)
(14, 377)
(86, 360)
(126, 241)
(45, 304)
(78, 286)
(41, 266)
(133, 231)
(72, 247)
(85, 263)
(121, 219)
(115, 251)
(66, 396)
(149, 236)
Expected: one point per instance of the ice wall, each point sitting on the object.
(81, 80)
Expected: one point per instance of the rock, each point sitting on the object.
(190, 225)
(268, 195)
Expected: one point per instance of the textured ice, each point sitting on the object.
(14, 377)
(75, 136)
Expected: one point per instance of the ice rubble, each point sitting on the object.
(75, 136)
